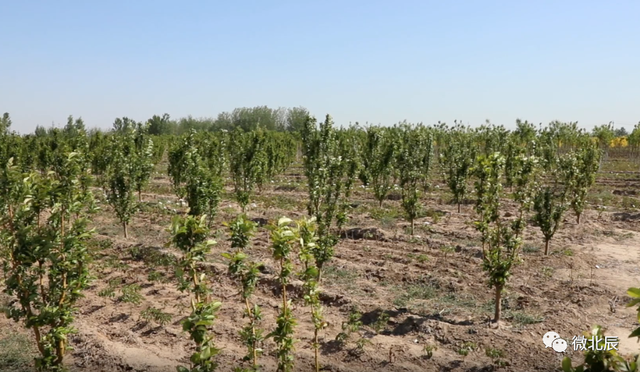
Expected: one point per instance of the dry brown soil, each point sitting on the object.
(431, 286)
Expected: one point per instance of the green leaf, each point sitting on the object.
(566, 365)
(635, 333)
(205, 353)
(195, 358)
(634, 292)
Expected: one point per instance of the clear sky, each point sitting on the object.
(369, 61)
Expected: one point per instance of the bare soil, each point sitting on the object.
(431, 286)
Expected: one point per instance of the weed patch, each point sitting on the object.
(421, 291)
(16, 353)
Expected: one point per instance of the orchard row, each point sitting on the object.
(47, 179)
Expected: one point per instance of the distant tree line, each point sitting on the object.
(288, 120)
(246, 118)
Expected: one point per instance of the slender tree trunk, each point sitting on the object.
(36, 331)
(413, 224)
(124, 227)
(546, 247)
(284, 291)
(578, 218)
(139, 195)
(498, 311)
(60, 349)
(254, 353)
(316, 347)
(458, 207)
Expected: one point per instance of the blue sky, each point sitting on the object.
(367, 61)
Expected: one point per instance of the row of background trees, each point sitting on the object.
(293, 120)
(247, 118)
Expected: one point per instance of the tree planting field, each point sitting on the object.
(387, 280)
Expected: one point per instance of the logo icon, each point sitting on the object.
(559, 345)
(552, 339)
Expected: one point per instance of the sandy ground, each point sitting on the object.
(431, 286)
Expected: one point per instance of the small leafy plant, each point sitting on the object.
(306, 231)
(586, 165)
(456, 159)
(195, 178)
(283, 238)
(381, 323)
(189, 234)
(466, 348)
(378, 161)
(500, 237)
(428, 350)
(44, 251)
(413, 163)
(248, 163)
(352, 325)
(330, 168)
(156, 276)
(247, 273)
(152, 314)
(107, 292)
(549, 206)
(122, 177)
(131, 294)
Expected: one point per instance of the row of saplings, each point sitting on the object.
(501, 240)
(44, 233)
(288, 240)
(45, 258)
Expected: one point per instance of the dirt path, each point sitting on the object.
(618, 268)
